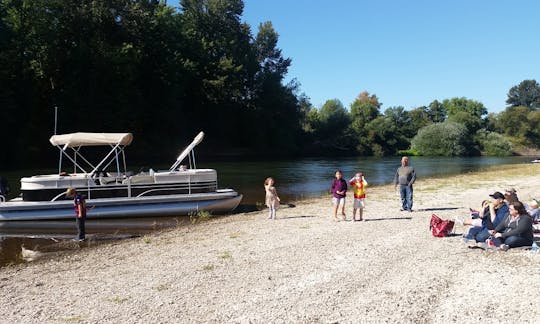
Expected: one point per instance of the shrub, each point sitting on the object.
(494, 144)
(441, 139)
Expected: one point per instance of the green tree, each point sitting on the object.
(333, 117)
(419, 117)
(526, 94)
(533, 134)
(331, 128)
(280, 106)
(442, 139)
(436, 112)
(513, 121)
(466, 112)
(382, 136)
(363, 110)
(397, 130)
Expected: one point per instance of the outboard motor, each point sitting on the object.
(4, 187)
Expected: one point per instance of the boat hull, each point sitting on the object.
(221, 201)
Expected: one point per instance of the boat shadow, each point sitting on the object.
(437, 208)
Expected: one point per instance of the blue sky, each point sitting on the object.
(407, 53)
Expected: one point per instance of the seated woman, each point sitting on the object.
(515, 230)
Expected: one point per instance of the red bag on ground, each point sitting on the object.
(440, 227)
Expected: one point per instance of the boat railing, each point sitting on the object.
(58, 196)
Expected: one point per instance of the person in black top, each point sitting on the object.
(515, 230)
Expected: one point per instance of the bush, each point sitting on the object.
(441, 139)
(409, 152)
(493, 144)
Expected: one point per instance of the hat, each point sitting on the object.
(497, 195)
(511, 190)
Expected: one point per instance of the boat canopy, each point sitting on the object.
(91, 139)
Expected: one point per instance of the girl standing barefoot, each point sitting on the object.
(272, 199)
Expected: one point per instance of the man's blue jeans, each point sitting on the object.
(406, 193)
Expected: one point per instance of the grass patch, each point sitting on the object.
(118, 300)
(235, 235)
(146, 239)
(226, 255)
(208, 267)
(73, 319)
(161, 287)
(306, 226)
(199, 216)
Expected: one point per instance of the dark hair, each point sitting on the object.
(518, 205)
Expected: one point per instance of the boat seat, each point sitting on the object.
(106, 180)
(140, 179)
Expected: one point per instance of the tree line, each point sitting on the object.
(451, 127)
(165, 73)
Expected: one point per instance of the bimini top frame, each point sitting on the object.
(74, 141)
(188, 151)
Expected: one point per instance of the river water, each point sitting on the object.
(306, 178)
(294, 180)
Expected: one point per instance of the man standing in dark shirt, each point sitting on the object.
(405, 177)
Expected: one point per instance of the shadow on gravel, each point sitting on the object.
(248, 208)
(301, 216)
(245, 208)
(438, 208)
(386, 219)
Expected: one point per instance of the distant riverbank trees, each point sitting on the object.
(166, 73)
(453, 127)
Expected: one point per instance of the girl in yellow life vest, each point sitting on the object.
(359, 184)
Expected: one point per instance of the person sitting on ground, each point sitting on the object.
(475, 220)
(515, 230)
(490, 217)
(533, 210)
(510, 195)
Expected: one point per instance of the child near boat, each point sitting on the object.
(272, 198)
(80, 212)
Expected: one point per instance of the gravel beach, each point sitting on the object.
(300, 268)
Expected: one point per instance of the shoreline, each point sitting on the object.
(302, 267)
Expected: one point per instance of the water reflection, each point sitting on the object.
(30, 240)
